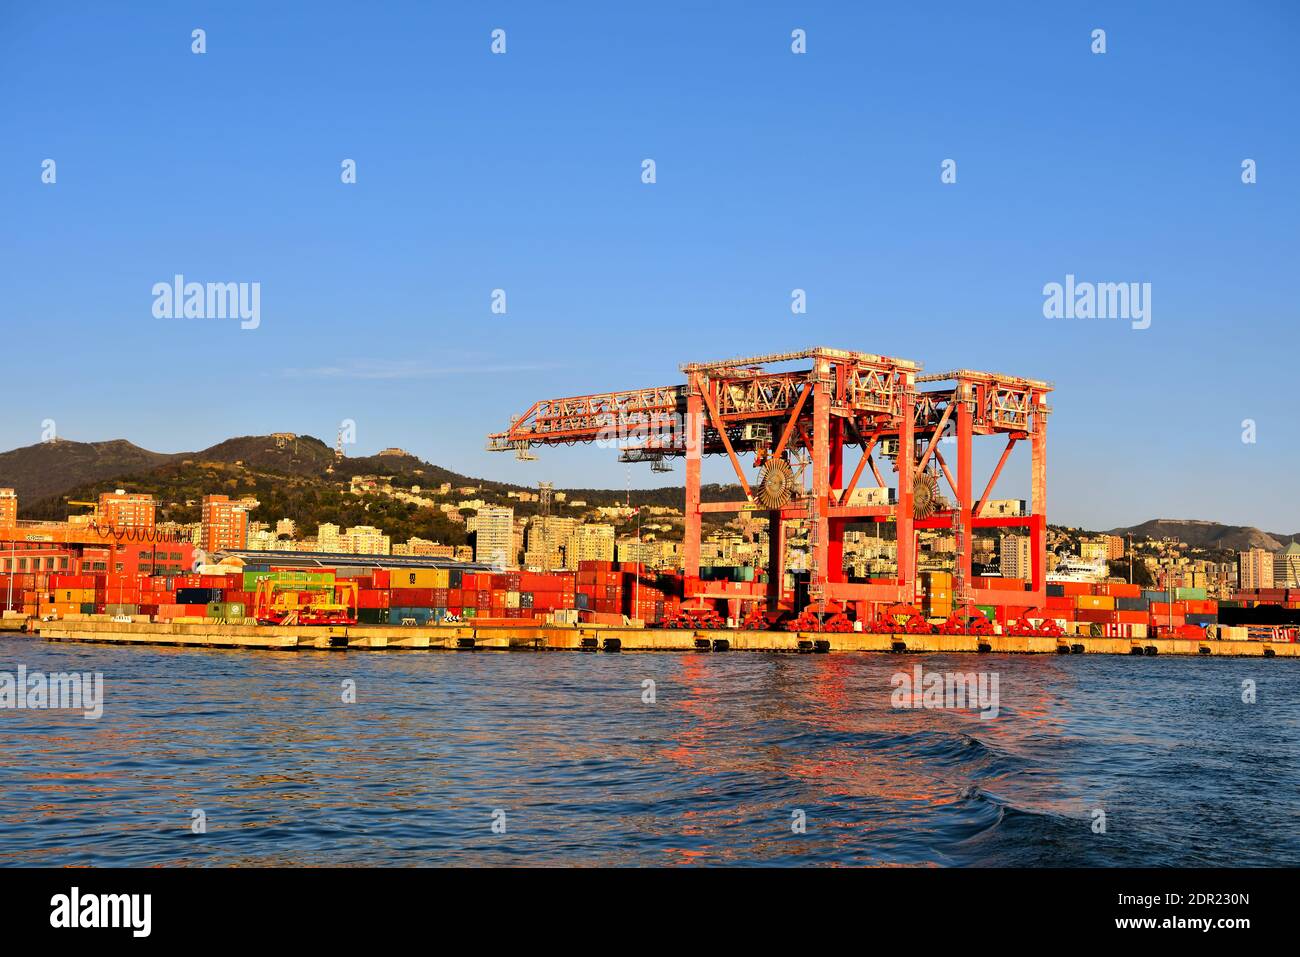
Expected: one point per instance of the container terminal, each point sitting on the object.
(793, 416)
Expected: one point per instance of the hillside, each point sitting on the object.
(1208, 535)
(53, 468)
(299, 479)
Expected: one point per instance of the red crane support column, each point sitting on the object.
(835, 526)
(906, 461)
(821, 462)
(775, 559)
(694, 452)
(964, 469)
(1038, 503)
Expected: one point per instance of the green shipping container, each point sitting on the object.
(225, 609)
(1192, 594)
(292, 578)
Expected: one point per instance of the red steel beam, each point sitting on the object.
(857, 473)
(726, 442)
(794, 418)
(934, 439)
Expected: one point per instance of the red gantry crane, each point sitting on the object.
(787, 419)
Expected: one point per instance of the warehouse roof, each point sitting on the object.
(346, 559)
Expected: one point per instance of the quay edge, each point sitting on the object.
(610, 638)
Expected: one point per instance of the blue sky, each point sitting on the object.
(776, 171)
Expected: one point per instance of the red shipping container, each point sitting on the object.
(1120, 590)
(1103, 615)
(411, 597)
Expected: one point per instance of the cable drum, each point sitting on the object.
(776, 488)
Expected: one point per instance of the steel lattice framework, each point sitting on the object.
(836, 399)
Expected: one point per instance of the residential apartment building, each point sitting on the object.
(1095, 551)
(122, 509)
(367, 540)
(8, 508)
(589, 543)
(225, 523)
(546, 541)
(1255, 568)
(493, 529)
(641, 551)
(1015, 556)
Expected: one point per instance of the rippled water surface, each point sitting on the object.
(711, 773)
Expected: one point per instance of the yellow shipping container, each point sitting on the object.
(1095, 602)
(74, 596)
(419, 578)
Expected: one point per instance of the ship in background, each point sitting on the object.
(1071, 569)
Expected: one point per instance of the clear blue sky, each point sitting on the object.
(775, 171)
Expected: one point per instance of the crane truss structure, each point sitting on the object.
(835, 399)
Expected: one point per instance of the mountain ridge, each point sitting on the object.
(45, 473)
